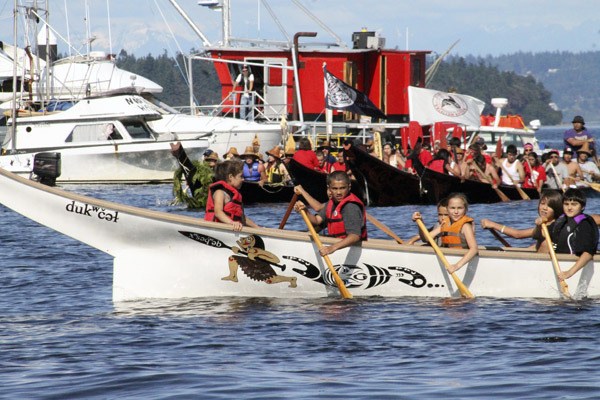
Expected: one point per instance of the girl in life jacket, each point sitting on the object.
(457, 231)
(575, 232)
(224, 202)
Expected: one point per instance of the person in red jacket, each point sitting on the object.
(224, 202)
(344, 214)
(305, 156)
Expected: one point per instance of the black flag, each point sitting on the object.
(340, 96)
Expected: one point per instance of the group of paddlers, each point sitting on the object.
(578, 165)
(344, 216)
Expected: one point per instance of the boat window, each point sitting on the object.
(416, 72)
(137, 129)
(93, 133)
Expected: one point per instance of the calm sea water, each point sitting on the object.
(62, 337)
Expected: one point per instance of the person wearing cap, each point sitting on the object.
(325, 147)
(588, 168)
(253, 171)
(211, 158)
(513, 172)
(576, 137)
(275, 169)
(247, 99)
(556, 171)
(232, 153)
(575, 173)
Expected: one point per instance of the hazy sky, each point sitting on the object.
(482, 27)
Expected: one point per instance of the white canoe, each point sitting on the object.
(161, 255)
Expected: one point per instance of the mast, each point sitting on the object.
(13, 111)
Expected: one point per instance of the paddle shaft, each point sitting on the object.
(343, 290)
(464, 291)
(502, 196)
(557, 177)
(564, 288)
(288, 211)
(523, 195)
(500, 238)
(384, 228)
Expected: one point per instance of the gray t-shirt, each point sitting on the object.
(352, 216)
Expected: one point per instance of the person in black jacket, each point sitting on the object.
(575, 232)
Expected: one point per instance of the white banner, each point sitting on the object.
(430, 106)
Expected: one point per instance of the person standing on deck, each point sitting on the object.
(246, 79)
(576, 137)
(511, 167)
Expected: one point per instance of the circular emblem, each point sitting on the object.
(449, 105)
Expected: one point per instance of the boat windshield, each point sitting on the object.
(138, 129)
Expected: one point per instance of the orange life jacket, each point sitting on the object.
(451, 233)
(233, 208)
(335, 223)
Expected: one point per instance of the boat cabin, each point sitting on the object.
(382, 74)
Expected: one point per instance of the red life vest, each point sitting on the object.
(335, 223)
(234, 208)
(451, 234)
(437, 165)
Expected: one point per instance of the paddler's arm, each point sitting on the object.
(581, 262)
(469, 233)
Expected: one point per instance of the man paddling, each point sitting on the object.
(344, 214)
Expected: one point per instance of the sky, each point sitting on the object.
(482, 28)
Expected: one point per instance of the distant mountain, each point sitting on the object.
(572, 78)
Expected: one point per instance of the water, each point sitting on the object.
(62, 337)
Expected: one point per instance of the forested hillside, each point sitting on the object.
(525, 95)
(170, 72)
(572, 78)
(475, 77)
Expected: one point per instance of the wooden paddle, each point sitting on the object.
(288, 211)
(500, 238)
(384, 228)
(464, 291)
(557, 176)
(340, 284)
(564, 288)
(502, 196)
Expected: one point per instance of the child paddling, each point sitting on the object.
(224, 203)
(459, 232)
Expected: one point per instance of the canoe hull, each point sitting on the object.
(164, 255)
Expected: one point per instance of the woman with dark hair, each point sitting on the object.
(393, 157)
(305, 156)
(442, 163)
(550, 207)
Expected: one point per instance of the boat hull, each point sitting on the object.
(107, 163)
(163, 255)
(389, 186)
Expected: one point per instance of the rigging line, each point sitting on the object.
(339, 41)
(181, 72)
(109, 30)
(67, 42)
(281, 28)
(68, 30)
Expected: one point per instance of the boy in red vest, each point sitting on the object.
(344, 214)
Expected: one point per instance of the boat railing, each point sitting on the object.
(229, 107)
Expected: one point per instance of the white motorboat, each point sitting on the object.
(102, 139)
(165, 255)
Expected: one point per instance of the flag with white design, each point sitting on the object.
(341, 96)
(429, 106)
